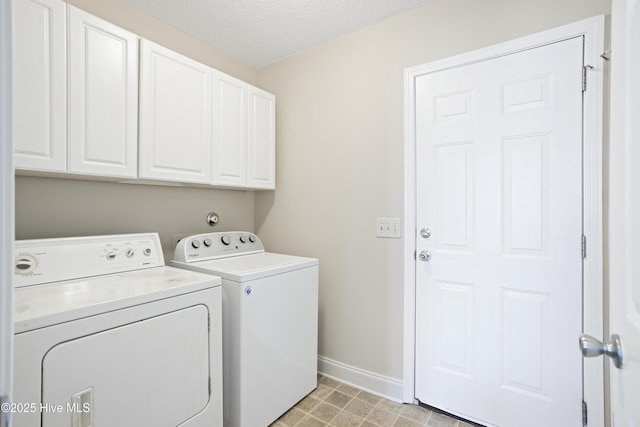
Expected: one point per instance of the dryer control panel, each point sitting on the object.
(208, 246)
(41, 261)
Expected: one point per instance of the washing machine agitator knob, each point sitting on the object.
(226, 240)
(195, 244)
(207, 242)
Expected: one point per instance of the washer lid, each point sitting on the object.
(244, 268)
(52, 303)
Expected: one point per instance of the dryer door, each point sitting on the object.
(149, 373)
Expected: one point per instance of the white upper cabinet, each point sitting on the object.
(93, 100)
(229, 131)
(243, 134)
(261, 141)
(103, 97)
(175, 116)
(39, 85)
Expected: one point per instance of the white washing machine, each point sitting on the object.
(107, 335)
(269, 322)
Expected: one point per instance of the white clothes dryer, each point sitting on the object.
(107, 335)
(269, 322)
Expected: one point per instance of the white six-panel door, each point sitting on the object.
(499, 186)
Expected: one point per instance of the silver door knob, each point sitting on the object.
(593, 347)
(425, 233)
(424, 256)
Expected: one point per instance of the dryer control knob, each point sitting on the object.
(243, 239)
(207, 242)
(252, 238)
(195, 244)
(226, 240)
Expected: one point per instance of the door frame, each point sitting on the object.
(593, 31)
(7, 210)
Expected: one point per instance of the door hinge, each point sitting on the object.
(584, 76)
(584, 246)
(584, 413)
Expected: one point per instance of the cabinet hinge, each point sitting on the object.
(584, 246)
(584, 76)
(584, 413)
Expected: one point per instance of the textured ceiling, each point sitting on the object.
(260, 32)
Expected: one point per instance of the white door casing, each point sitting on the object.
(624, 212)
(592, 31)
(7, 210)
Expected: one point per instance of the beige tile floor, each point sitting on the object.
(340, 405)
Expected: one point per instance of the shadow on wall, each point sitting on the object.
(51, 207)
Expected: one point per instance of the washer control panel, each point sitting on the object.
(208, 246)
(52, 260)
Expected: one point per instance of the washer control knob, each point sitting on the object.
(25, 264)
(252, 238)
(111, 255)
(207, 242)
(226, 240)
(243, 239)
(130, 252)
(147, 251)
(195, 244)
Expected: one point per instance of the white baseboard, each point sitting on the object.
(380, 385)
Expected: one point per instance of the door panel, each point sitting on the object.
(624, 190)
(499, 183)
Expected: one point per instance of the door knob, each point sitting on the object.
(424, 256)
(425, 233)
(592, 347)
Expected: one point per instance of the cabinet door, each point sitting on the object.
(103, 97)
(229, 131)
(175, 116)
(39, 85)
(261, 147)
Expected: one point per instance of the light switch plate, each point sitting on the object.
(388, 228)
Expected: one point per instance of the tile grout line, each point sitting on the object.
(352, 393)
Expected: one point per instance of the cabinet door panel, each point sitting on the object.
(103, 97)
(175, 116)
(229, 131)
(261, 151)
(39, 85)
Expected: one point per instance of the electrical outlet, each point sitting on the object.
(388, 228)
